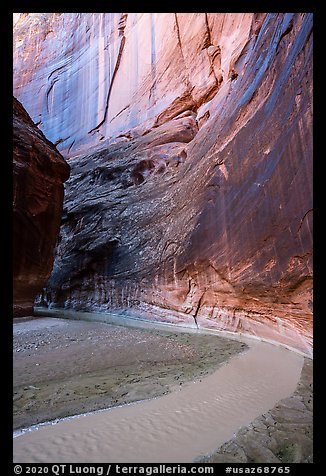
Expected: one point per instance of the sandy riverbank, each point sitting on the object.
(66, 367)
(282, 435)
(193, 420)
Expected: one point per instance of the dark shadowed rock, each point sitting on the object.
(39, 173)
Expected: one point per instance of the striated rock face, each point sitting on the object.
(39, 173)
(190, 137)
(89, 77)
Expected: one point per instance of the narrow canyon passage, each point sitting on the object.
(163, 172)
(189, 142)
(178, 427)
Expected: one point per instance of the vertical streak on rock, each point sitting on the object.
(101, 69)
(208, 40)
(152, 96)
(197, 308)
(188, 84)
(51, 87)
(117, 64)
(212, 55)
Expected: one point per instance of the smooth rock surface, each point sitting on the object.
(190, 142)
(39, 171)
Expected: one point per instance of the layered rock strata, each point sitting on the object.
(39, 171)
(193, 201)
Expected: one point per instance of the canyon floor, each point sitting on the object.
(282, 435)
(64, 367)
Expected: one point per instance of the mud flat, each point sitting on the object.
(65, 367)
(193, 419)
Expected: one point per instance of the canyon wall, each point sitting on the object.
(189, 138)
(39, 171)
(85, 78)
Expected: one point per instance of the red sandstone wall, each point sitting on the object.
(38, 175)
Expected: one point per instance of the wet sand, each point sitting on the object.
(193, 420)
(282, 435)
(66, 367)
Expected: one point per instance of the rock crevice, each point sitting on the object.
(121, 28)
